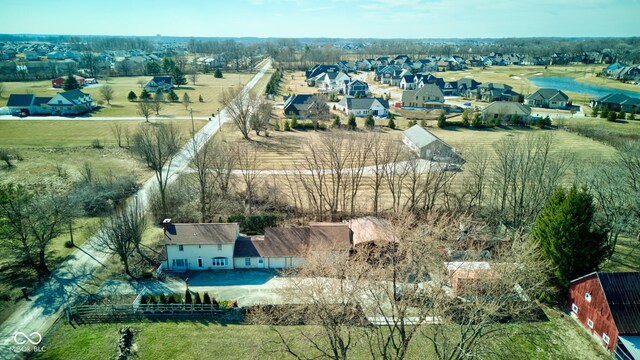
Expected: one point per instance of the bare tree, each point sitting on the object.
(141, 82)
(239, 105)
(117, 131)
(144, 109)
(186, 100)
(193, 76)
(318, 110)
(261, 117)
(106, 91)
(28, 224)
(157, 145)
(201, 159)
(157, 103)
(248, 161)
(121, 235)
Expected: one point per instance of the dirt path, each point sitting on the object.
(68, 280)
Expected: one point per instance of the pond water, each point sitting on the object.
(570, 84)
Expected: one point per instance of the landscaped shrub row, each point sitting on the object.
(194, 299)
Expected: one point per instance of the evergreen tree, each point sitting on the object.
(369, 123)
(621, 115)
(214, 302)
(178, 77)
(631, 116)
(143, 300)
(196, 299)
(594, 112)
(186, 100)
(172, 299)
(336, 122)
(145, 95)
(162, 299)
(206, 299)
(187, 297)
(412, 123)
(173, 97)
(465, 119)
(477, 121)
(200, 99)
(352, 123)
(423, 123)
(70, 83)
(132, 96)
(168, 65)
(604, 114)
(151, 299)
(286, 126)
(391, 124)
(442, 120)
(217, 74)
(294, 121)
(611, 116)
(564, 229)
(152, 68)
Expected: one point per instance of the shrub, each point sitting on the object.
(611, 116)
(187, 297)
(336, 122)
(100, 197)
(412, 123)
(477, 122)
(594, 111)
(151, 299)
(96, 144)
(294, 121)
(286, 126)
(465, 119)
(162, 299)
(369, 123)
(391, 124)
(196, 299)
(172, 299)
(206, 299)
(423, 123)
(215, 303)
(200, 99)
(68, 244)
(352, 123)
(147, 275)
(442, 121)
(5, 296)
(143, 300)
(621, 115)
(604, 114)
(631, 116)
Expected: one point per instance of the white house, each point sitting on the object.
(333, 81)
(362, 107)
(220, 246)
(71, 102)
(199, 246)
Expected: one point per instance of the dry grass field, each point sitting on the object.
(206, 85)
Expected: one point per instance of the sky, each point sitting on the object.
(324, 18)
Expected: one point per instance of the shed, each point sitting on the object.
(428, 146)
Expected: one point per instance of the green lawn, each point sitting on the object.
(558, 338)
(626, 257)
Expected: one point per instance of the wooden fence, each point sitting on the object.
(86, 314)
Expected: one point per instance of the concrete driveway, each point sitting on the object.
(248, 287)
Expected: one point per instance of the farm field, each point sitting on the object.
(560, 338)
(206, 85)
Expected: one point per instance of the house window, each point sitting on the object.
(219, 247)
(247, 261)
(199, 262)
(574, 308)
(605, 338)
(180, 248)
(590, 323)
(587, 297)
(219, 262)
(179, 262)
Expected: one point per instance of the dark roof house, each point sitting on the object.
(297, 104)
(547, 98)
(617, 102)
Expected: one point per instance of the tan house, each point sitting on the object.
(427, 97)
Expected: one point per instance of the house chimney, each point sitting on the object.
(165, 225)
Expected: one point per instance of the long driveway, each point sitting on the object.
(70, 279)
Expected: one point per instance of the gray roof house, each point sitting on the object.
(428, 146)
(356, 88)
(504, 110)
(364, 106)
(427, 97)
(165, 83)
(547, 98)
(617, 102)
(297, 105)
(71, 102)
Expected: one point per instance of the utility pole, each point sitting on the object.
(219, 121)
(193, 127)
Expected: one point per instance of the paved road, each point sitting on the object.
(100, 118)
(70, 279)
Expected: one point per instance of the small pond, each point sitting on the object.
(565, 83)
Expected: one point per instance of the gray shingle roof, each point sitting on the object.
(507, 108)
(548, 94)
(419, 136)
(362, 103)
(20, 100)
(201, 233)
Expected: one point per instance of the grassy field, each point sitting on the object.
(626, 257)
(558, 338)
(206, 85)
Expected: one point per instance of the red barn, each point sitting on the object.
(57, 83)
(608, 306)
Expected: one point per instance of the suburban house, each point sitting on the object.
(364, 106)
(318, 69)
(617, 102)
(282, 248)
(297, 105)
(356, 88)
(58, 82)
(220, 246)
(427, 97)
(424, 79)
(332, 81)
(164, 83)
(408, 82)
(466, 86)
(428, 146)
(547, 98)
(490, 92)
(71, 102)
(504, 111)
(450, 88)
(608, 306)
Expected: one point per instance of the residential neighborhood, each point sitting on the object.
(288, 180)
